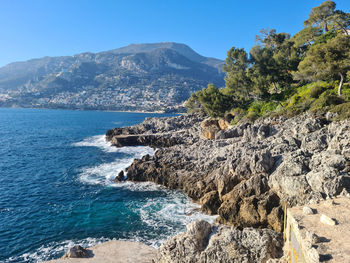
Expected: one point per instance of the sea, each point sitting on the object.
(57, 189)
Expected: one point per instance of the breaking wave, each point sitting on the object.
(105, 173)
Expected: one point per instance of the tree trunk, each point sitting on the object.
(340, 84)
(275, 87)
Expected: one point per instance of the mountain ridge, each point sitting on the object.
(164, 73)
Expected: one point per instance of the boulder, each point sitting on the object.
(77, 252)
(120, 177)
(209, 128)
(223, 124)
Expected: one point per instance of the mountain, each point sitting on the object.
(157, 76)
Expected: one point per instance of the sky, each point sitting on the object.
(38, 28)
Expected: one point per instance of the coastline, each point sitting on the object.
(72, 109)
(246, 184)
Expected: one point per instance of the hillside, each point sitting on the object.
(149, 77)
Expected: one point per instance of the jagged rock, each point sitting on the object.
(77, 252)
(210, 202)
(227, 134)
(209, 128)
(224, 244)
(120, 177)
(245, 173)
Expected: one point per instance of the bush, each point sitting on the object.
(214, 102)
(260, 108)
(327, 99)
(343, 111)
(346, 91)
(316, 91)
(238, 114)
(193, 104)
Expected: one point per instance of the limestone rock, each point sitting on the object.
(77, 252)
(249, 168)
(327, 220)
(210, 202)
(224, 244)
(223, 124)
(308, 211)
(209, 128)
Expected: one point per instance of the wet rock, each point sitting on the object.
(120, 177)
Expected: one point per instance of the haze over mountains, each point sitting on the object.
(148, 77)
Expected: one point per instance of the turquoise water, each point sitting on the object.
(56, 186)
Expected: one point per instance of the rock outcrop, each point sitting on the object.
(204, 243)
(248, 169)
(77, 252)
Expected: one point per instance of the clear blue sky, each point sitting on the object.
(37, 28)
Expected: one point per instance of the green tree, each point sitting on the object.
(325, 61)
(270, 39)
(326, 17)
(214, 102)
(320, 15)
(340, 21)
(237, 82)
(306, 37)
(193, 104)
(272, 59)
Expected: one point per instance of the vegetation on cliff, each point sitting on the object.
(284, 74)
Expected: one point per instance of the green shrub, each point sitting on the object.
(238, 114)
(346, 91)
(316, 91)
(326, 99)
(261, 108)
(343, 111)
(252, 115)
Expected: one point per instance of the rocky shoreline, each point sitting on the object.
(244, 173)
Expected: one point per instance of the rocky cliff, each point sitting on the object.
(247, 172)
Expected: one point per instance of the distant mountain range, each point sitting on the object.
(148, 77)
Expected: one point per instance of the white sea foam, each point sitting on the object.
(55, 249)
(106, 172)
(100, 141)
(170, 212)
(167, 213)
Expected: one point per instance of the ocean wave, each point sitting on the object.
(100, 141)
(170, 212)
(55, 249)
(164, 215)
(105, 173)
